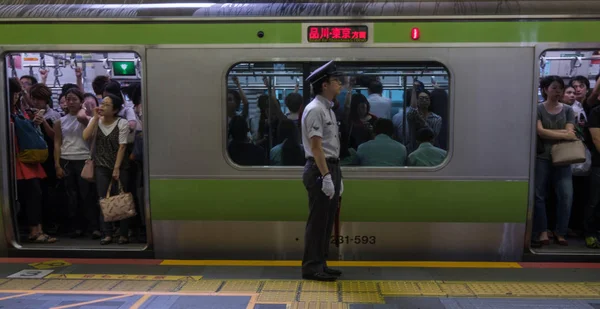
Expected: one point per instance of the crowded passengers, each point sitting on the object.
(567, 195)
(55, 198)
(370, 135)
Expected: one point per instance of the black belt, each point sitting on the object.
(329, 160)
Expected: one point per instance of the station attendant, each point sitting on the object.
(322, 176)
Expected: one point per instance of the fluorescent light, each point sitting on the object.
(151, 6)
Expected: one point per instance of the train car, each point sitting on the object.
(196, 202)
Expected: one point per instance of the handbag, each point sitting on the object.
(87, 172)
(568, 152)
(583, 169)
(117, 207)
(32, 146)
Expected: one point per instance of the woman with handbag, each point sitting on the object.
(111, 164)
(556, 131)
(70, 155)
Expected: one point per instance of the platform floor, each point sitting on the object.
(153, 284)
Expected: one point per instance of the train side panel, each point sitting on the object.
(472, 208)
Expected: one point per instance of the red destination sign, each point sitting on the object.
(329, 34)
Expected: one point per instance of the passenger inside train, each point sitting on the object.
(568, 122)
(371, 114)
(62, 179)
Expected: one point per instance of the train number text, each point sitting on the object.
(357, 240)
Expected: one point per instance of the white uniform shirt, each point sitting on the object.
(319, 120)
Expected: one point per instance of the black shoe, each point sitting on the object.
(319, 277)
(333, 272)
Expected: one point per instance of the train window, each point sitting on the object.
(390, 114)
(67, 108)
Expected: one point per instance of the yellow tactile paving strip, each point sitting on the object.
(277, 297)
(236, 286)
(298, 294)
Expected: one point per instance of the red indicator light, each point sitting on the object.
(415, 34)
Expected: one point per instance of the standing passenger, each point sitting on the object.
(70, 153)
(555, 123)
(380, 106)
(110, 160)
(29, 175)
(322, 175)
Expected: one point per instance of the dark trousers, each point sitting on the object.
(103, 178)
(30, 199)
(581, 195)
(321, 217)
(82, 202)
(592, 212)
(134, 185)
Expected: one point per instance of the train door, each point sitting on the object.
(61, 159)
(561, 220)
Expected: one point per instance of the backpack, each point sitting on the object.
(32, 146)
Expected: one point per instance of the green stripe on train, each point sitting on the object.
(132, 33)
(364, 200)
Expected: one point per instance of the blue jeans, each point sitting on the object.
(562, 179)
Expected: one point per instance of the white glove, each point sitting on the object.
(328, 187)
(341, 187)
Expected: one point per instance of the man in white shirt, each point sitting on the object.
(380, 106)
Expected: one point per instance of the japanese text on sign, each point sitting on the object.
(338, 34)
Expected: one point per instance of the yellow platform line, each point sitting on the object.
(431, 264)
(140, 301)
(93, 301)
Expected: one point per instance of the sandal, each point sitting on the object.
(42, 238)
(123, 240)
(560, 240)
(106, 240)
(544, 241)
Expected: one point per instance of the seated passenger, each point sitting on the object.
(288, 152)
(383, 150)
(240, 150)
(426, 154)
